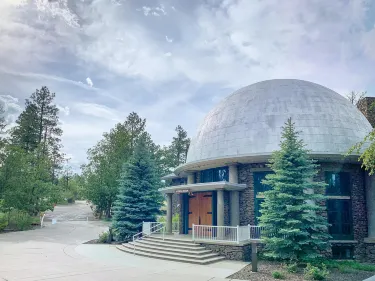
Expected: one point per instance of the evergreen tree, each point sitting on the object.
(291, 211)
(138, 199)
(38, 127)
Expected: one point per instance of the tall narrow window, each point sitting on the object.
(339, 209)
(259, 187)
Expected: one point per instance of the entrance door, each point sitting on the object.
(200, 209)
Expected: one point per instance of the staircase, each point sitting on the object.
(171, 249)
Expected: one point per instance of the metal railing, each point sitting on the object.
(228, 234)
(148, 228)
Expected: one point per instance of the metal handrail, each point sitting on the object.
(140, 235)
(229, 234)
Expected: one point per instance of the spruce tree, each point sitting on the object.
(138, 199)
(291, 214)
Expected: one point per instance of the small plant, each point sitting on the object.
(316, 273)
(278, 275)
(3, 221)
(291, 267)
(103, 237)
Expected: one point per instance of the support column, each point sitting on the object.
(220, 207)
(370, 203)
(169, 213)
(191, 178)
(233, 174)
(235, 208)
(234, 197)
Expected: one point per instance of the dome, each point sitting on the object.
(246, 126)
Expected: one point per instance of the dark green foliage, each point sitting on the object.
(294, 227)
(316, 273)
(278, 275)
(138, 199)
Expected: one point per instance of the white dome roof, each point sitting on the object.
(247, 124)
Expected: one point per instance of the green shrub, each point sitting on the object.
(3, 221)
(22, 220)
(103, 237)
(316, 273)
(291, 267)
(278, 275)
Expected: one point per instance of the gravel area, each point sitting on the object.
(265, 269)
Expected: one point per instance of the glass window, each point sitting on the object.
(340, 218)
(258, 185)
(342, 252)
(216, 174)
(221, 174)
(338, 184)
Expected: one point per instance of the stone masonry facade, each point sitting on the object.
(362, 250)
(231, 252)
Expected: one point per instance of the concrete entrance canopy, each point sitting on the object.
(208, 186)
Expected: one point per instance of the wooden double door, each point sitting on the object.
(200, 209)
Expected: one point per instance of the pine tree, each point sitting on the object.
(291, 213)
(38, 127)
(138, 199)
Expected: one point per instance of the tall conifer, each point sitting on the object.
(138, 199)
(292, 210)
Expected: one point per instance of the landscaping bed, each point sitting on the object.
(346, 271)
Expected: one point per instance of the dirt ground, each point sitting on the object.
(265, 269)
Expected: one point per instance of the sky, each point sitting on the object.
(171, 61)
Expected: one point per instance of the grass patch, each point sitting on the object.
(348, 266)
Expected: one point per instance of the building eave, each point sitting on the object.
(208, 186)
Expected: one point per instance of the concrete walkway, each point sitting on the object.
(56, 252)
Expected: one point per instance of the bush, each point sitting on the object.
(3, 221)
(291, 268)
(315, 273)
(103, 237)
(22, 220)
(278, 275)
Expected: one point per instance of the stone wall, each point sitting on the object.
(361, 250)
(231, 252)
(370, 252)
(176, 204)
(365, 106)
(245, 175)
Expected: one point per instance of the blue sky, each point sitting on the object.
(171, 61)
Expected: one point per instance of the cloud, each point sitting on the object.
(11, 108)
(89, 82)
(97, 110)
(44, 77)
(64, 109)
(212, 48)
(154, 11)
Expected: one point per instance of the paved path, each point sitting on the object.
(56, 253)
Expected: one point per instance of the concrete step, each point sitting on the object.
(195, 250)
(167, 252)
(171, 246)
(170, 241)
(171, 238)
(171, 258)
